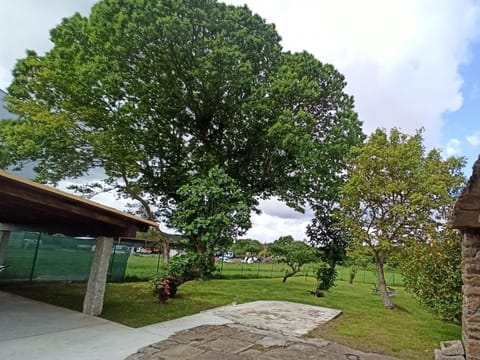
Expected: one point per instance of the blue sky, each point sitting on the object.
(408, 63)
(461, 131)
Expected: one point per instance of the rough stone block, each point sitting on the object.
(270, 341)
(454, 347)
(250, 354)
(181, 351)
(471, 267)
(439, 356)
(215, 355)
(227, 345)
(472, 349)
(470, 252)
(284, 354)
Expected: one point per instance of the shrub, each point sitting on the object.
(432, 272)
(326, 277)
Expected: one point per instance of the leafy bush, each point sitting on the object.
(432, 272)
(326, 277)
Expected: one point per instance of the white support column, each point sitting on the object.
(3, 245)
(93, 303)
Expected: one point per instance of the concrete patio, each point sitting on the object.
(260, 330)
(33, 330)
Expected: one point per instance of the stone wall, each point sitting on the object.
(471, 294)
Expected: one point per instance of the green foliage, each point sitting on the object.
(326, 276)
(244, 246)
(326, 234)
(294, 253)
(157, 92)
(213, 211)
(189, 266)
(432, 272)
(396, 194)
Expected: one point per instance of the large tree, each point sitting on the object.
(157, 92)
(396, 194)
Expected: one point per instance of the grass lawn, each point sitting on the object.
(144, 267)
(408, 332)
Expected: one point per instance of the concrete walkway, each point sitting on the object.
(33, 330)
(262, 330)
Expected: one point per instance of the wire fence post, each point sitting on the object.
(258, 270)
(112, 260)
(241, 272)
(271, 274)
(39, 237)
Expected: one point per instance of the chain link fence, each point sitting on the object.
(40, 257)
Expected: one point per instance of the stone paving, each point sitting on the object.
(239, 342)
(278, 316)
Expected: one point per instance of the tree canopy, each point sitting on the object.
(396, 194)
(243, 247)
(158, 92)
(295, 254)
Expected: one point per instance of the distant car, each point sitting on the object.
(225, 258)
(143, 251)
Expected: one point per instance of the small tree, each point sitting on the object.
(327, 235)
(396, 194)
(212, 213)
(294, 253)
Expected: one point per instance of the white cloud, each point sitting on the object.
(25, 24)
(276, 208)
(474, 139)
(453, 147)
(400, 58)
(268, 228)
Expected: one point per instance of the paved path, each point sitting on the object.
(31, 329)
(238, 342)
(261, 330)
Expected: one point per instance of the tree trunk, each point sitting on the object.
(382, 285)
(289, 274)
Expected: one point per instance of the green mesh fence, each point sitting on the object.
(41, 257)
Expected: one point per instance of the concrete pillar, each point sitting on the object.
(93, 302)
(5, 235)
(471, 295)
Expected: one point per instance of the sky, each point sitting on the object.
(408, 63)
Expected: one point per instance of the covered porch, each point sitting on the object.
(28, 206)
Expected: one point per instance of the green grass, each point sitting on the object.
(144, 267)
(408, 332)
